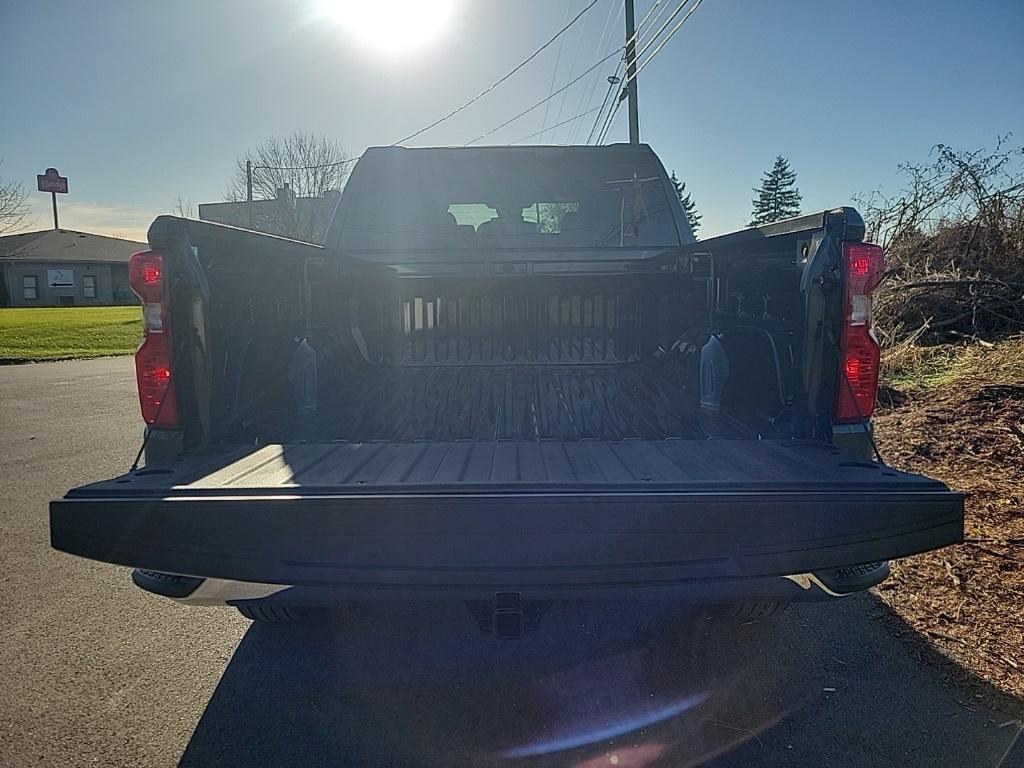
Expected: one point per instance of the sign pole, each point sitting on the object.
(52, 182)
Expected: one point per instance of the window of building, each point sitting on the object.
(89, 286)
(30, 286)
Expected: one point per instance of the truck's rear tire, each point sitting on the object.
(273, 614)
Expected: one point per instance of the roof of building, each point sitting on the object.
(59, 245)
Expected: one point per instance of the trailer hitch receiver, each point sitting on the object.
(508, 614)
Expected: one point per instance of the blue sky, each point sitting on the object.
(138, 102)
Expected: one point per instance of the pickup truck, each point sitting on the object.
(509, 376)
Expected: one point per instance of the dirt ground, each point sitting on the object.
(959, 416)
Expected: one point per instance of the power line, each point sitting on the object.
(612, 82)
(558, 59)
(608, 122)
(611, 115)
(604, 45)
(662, 28)
(603, 120)
(564, 88)
(501, 80)
(612, 109)
(572, 69)
(587, 71)
(675, 29)
(640, 26)
(558, 125)
(614, 79)
(655, 20)
(303, 167)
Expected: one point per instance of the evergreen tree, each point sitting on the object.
(777, 197)
(689, 207)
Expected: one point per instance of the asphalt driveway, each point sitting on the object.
(97, 672)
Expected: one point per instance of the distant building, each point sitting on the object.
(61, 267)
(300, 218)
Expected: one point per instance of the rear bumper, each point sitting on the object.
(477, 544)
(794, 588)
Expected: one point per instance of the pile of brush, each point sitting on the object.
(954, 241)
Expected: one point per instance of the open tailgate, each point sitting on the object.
(538, 515)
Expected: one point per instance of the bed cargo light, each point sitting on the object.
(153, 360)
(858, 375)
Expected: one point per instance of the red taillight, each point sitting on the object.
(146, 275)
(156, 389)
(860, 267)
(858, 369)
(154, 359)
(864, 267)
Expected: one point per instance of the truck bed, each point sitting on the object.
(502, 402)
(500, 421)
(577, 467)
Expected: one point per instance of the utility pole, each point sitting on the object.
(634, 113)
(248, 190)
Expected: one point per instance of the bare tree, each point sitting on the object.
(957, 186)
(309, 164)
(185, 208)
(13, 205)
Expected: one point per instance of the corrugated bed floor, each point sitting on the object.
(485, 403)
(578, 466)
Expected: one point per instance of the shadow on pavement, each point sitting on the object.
(599, 685)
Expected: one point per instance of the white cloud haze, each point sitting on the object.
(113, 219)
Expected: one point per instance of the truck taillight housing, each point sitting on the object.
(154, 367)
(859, 351)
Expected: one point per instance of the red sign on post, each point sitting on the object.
(51, 181)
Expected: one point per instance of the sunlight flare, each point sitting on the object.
(391, 26)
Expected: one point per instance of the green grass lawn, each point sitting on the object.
(60, 333)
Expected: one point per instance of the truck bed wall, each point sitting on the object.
(261, 298)
(362, 328)
(508, 320)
